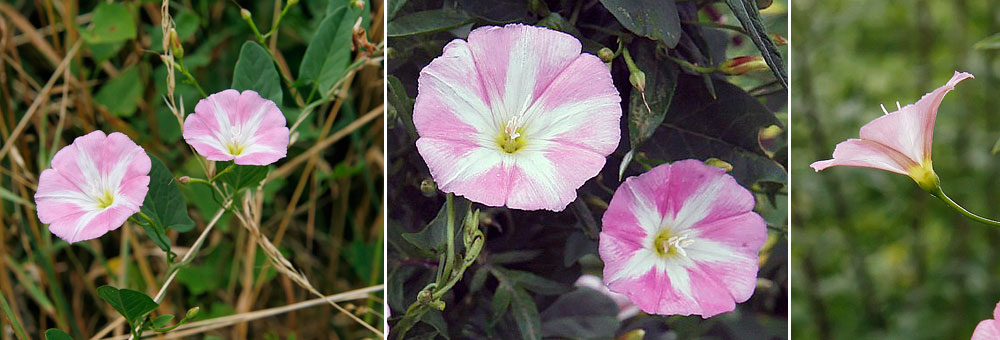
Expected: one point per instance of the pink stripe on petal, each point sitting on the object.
(451, 101)
(745, 233)
(712, 297)
(691, 182)
(466, 169)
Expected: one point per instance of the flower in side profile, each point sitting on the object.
(899, 142)
(93, 186)
(988, 329)
(239, 127)
(682, 239)
(516, 116)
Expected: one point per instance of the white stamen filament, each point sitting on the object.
(678, 243)
(900, 108)
(511, 128)
(883, 109)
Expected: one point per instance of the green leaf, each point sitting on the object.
(698, 126)
(526, 315)
(255, 71)
(661, 80)
(164, 201)
(162, 320)
(119, 95)
(56, 334)
(434, 318)
(532, 282)
(432, 238)
(431, 21)
(578, 245)
(329, 52)
(514, 256)
(581, 314)
(497, 11)
(394, 7)
(242, 176)
(746, 11)
(501, 301)
(402, 104)
(132, 305)
(111, 23)
(654, 19)
(990, 43)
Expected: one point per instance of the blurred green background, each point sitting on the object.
(873, 256)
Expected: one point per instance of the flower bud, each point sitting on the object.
(359, 4)
(439, 305)
(638, 79)
(778, 39)
(175, 44)
(636, 334)
(743, 65)
(428, 187)
(191, 313)
(762, 4)
(184, 179)
(424, 296)
(718, 163)
(471, 228)
(606, 54)
(245, 13)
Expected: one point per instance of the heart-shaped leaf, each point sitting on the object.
(255, 71)
(132, 305)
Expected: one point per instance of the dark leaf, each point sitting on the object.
(578, 245)
(497, 11)
(514, 256)
(433, 238)
(428, 22)
(581, 314)
(255, 71)
(501, 300)
(653, 19)
(698, 126)
(56, 334)
(526, 315)
(402, 104)
(162, 320)
(242, 176)
(164, 202)
(661, 80)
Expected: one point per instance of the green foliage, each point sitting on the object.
(56, 334)
(119, 95)
(241, 176)
(428, 22)
(255, 71)
(112, 23)
(746, 12)
(326, 58)
(657, 20)
(132, 305)
(164, 202)
(581, 314)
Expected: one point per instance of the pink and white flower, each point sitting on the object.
(682, 239)
(900, 141)
(93, 186)
(516, 116)
(988, 329)
(239, 127)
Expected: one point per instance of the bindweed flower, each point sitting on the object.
(516, 116)
(626, 309)
(93, 186)
(239, 127)
(988, 329)
(682, 239)
(899, 142)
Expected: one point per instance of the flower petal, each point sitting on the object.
(987, 330)
(866, 154)
(451, 100)
(517, 62)
(547, 175)
(910, 130)
(479, 174)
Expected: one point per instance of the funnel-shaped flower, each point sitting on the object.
(900, 141)
(516, 116)
(988, 329)
(682, 239)
(94, 185)
(239, 127)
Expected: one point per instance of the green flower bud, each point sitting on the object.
(606, 54)
(428, 187)
(718, 163)
(191, 313)
(245, 14)
(638, 79)
(743, 65)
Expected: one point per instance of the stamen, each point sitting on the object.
(677, 244)
(511, 128)
(106, 200)
(883, 109)
(900, 108)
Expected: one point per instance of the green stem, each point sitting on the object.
(939, 193)
(227, 169)
(450, 260)
(274, 27)
(190, 78)
(695, 68)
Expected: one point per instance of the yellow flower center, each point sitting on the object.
(510, 139)
(105, 200)
(235, 148)
(669, 244)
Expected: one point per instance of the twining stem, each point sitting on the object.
(939, 193)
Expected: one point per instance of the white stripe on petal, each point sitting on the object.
(698, 205)
(641, 262)
(680, 278)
